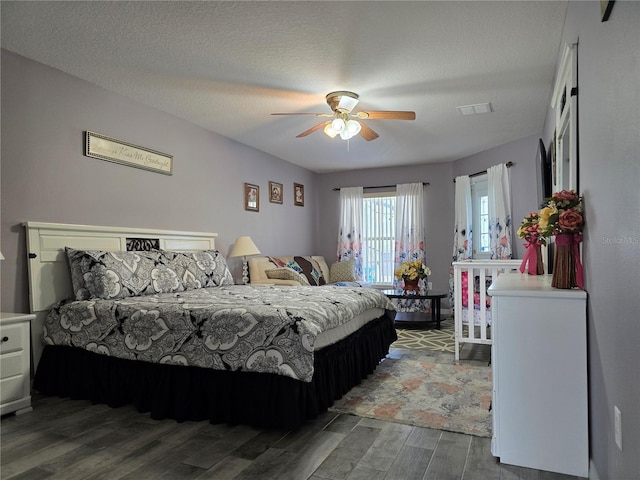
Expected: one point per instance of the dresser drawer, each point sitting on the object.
(11, 337)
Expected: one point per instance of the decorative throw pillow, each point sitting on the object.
(286, 273)
(113, 275)
(308, 267)
(205, 268)
(279, 262)
(344, 271)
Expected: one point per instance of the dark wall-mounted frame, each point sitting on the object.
(275, 192)
(298, 194)
(605, 9)
(546, 178)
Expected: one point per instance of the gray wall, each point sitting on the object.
(46, 177)
(609, 178)
(439, 198)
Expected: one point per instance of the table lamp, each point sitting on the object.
(244, 247)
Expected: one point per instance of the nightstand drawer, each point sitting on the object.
(11, 364)
(11, 389)
(15, 362)
(11, 338)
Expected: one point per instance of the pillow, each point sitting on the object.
(286, 273)
(114, 275)
(205, 268)
(308, 267)
(344, 271)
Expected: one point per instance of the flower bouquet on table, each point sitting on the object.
(562, 217)
(411, 272)
(530, 232)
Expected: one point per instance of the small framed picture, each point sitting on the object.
(298, 195)
(275, 192)
(251, 197)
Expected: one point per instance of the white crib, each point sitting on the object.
(474, 310)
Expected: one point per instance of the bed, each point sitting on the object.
(471, 305)
(179, 340)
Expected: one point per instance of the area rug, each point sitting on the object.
(428, 338)
(435, 395)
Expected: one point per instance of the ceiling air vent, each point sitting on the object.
(474, 109)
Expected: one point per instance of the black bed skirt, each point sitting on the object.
(194, 393)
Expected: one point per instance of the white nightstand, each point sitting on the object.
(15, 363)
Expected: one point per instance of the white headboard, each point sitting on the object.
(49, 278)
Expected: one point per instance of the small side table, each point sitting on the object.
(417, 318)
(15, 357)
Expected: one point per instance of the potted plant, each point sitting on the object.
(411, 272)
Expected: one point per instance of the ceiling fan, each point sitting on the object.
(346, 123)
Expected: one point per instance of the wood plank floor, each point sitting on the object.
(65, 439)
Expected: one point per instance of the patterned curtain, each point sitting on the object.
(350, 233)
(409, 223)
(462, 232)
(409, 242)
(499, 212)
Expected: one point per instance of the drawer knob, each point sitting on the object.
(5, 339)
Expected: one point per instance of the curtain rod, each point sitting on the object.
(424, 184)
(508, 165)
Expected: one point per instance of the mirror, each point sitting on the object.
(565, 98)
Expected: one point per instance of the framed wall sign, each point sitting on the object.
(275, 192)
(112, 150)
(251, 197)
(298, 195)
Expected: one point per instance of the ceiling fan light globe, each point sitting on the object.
(353, 127)
(345, 135)
(328, 129)
(338, 125)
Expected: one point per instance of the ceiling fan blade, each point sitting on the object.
(312, 129)
(386, 115)
(367, 133)
(312, 114)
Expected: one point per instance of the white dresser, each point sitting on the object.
(15, 363)
(539, 361)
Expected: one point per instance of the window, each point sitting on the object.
(378, 237)
(480, 218)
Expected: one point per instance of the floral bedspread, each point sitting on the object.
(237, 328)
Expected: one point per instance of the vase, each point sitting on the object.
(532, 261)
(539, 262)
(411, 285)
(567, 269)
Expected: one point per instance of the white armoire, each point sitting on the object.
(539, 362)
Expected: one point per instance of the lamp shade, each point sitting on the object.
(1, 256)
(243, 247)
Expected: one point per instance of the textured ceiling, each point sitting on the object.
(226, 66)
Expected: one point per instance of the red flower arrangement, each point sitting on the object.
(563, 217)
(532, 235)
(562, 214)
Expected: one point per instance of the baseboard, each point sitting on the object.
(593, 471)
